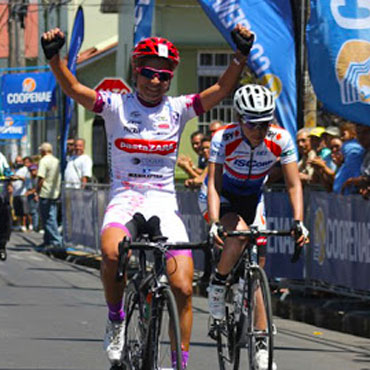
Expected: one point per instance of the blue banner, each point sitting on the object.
(12, 127)
(143, 19)
(280, 249)
(272, 57)
(75, 45)
(340, 240)
(338, 37)
(28, 92)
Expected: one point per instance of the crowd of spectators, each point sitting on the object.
(34, 191)
(336, 158)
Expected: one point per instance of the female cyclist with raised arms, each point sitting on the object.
(241, 157)
(143, 133)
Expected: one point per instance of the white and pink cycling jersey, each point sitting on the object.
(143, 144)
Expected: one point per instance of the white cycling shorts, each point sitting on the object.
(125, 204)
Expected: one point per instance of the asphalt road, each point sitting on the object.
(52, 316)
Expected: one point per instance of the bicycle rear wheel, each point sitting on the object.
(135, 329)
(164, 325)
(259, 291)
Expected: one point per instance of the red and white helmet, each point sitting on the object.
(156, 46)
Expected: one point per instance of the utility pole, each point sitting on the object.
(306, 98)
(17, 10)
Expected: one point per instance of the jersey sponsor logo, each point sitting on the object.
(175, 116)
(134, 122)
(135, 114)
(288, 153)
(162, 126)
(145, 175)
(254, 164)
(150, 162)
(131, 129)
(145, 146)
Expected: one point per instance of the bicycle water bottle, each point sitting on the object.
(238, 299)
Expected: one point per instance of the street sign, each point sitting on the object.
(114, 85)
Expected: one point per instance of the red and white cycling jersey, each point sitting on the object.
(143, 141)
(246, 168)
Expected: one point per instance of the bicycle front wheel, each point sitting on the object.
(228, 351)
(260, 322)
(135, 329)
(164, 336)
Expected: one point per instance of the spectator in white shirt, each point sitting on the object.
(79, 168)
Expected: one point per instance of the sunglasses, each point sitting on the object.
(255, 126)
(150, 73)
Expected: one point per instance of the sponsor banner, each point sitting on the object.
(28, 92)
(280, 249)
(75, 46)
(340, 240)
(143, 19)
(272, 57)
(12, 127)
(338, 37)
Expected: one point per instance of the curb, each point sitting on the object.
(351, 316)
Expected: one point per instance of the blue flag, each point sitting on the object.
(143, 19)
(12, 126)
(75, 45)
(28, 92)
(338, 36)
(272, 57)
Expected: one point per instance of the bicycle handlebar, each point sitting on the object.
(258, 233)
(164, 246)
(261, 233)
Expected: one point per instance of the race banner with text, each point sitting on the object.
(12, 127)
(28, 92)
(338, 37)
(272, 57)
(75, 46)
(280, 249)
(143, 19)
(340, 240)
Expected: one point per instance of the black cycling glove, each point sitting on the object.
(52, 47)
(298, 229)
(243, 44)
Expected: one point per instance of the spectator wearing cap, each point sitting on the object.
(353, 154)
(306, 170)
(48, 189)
(33, 198)
(362, 182)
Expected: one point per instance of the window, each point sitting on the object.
(210, 68)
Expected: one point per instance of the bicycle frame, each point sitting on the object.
(154, 282)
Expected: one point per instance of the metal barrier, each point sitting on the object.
(337, 259)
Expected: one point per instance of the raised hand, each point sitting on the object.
(52, 41)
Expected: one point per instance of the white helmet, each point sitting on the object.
(254, 103)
